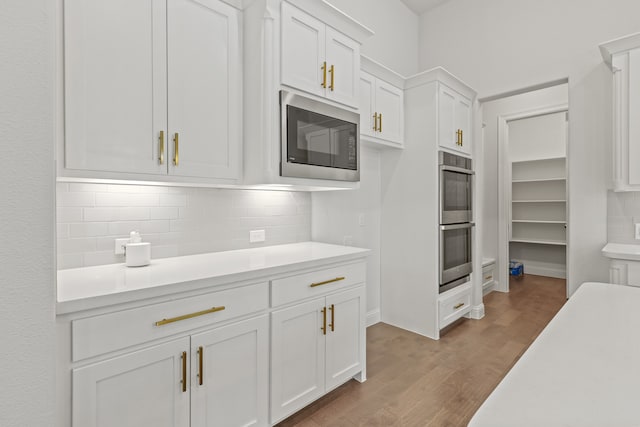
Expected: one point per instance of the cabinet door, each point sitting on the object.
(633, 113)
(297, 357)
(389, 103)
(302, 51)
(204, 88)
(345, 336)
(143, 388)
(235, 375)
(463, 122)
(343, 61)
(367, 104)
(115, 84)
(447, 136)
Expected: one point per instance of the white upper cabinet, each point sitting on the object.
(381, 105)
(623, 55)
(152, 88)
(454, 120)
(318, 59)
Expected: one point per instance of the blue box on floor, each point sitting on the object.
(516, 268)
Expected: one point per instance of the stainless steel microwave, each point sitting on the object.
(319, 141)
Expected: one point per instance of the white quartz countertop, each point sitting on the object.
(91, 287)
(622, 251)
(582, 370)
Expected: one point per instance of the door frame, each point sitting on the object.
(504, 187)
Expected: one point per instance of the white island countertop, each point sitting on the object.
(582, 370)
(622, 251)
(90, 287)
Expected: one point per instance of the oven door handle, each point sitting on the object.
(457, 226)
(457, 169)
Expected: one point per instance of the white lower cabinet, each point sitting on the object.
(142, 388)
(316, 346)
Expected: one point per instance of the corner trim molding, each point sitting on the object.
(477, 312)
(373, 317)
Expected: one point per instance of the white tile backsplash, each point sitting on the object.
(623, 209)
(176, 220)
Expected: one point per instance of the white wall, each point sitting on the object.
(176, 220)
(395, 42)
(539, 137)
(336, 215)
(498, 46)
(27, 371)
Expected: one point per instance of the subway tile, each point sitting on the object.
(164, 251)
(173, 200)
(66, 199)
(144, 189)
(68, 214)
(67, 246)
(75, 186)
(133, 214)
(164, 213)
(101, 258)
(100, 214)
(62, 231)
(124, 227)
(126, 199)
(66, 261)
(88, 229)
(155, 226)
(281, 210)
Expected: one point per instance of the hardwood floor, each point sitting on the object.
(416, 381)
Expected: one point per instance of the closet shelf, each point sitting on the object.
(535, 221)
(540, 242)
(518, 181)
(540, 201)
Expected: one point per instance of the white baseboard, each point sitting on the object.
(373, 317)
(477, 312)
(546, 271)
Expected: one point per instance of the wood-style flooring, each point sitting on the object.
(416, 381)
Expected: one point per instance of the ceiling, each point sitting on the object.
(421, 6)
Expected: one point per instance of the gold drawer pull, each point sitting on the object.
(176, 149)
(200, 363)
(161, 140)
(324, 75)
(337, 279)
(184, 372)
(488, 278)
(324, 321)
(333, 319)
(189, 316)
(332, 71)
(457, 306)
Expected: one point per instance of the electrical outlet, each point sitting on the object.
(347, 240)
(119, 246)
(256, 236)
(637, 228)
(361, 221)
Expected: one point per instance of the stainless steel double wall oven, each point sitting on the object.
(456, 216)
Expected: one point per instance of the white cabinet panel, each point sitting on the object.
(303, 50)
(454, 120)
(115, 84)
(235, 375)
(368, 125)
(204, 88)
(343, 55)
(389, 100)
(318, 59)
(345, 336)
(138, 389)
(297, 357)
(634, 112)
(463, 122)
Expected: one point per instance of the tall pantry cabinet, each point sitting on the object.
(438, 109)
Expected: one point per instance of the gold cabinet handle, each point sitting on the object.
(324, 321)
(184, 372)
(337, 279)
(461, 137)
(176, 149)
(200, 365)
(375, 122)
(333, 72)
(189, 316)
(380, 126)
(488, 277)
(457, 306)
(161, 138)
(324, 75)
(458, 137)
(333, 319)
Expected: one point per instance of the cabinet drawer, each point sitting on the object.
(318, 282)
(101, 334)
(487, 275)
(455, 305)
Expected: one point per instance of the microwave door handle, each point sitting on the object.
(457, 226)
(457, 169)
